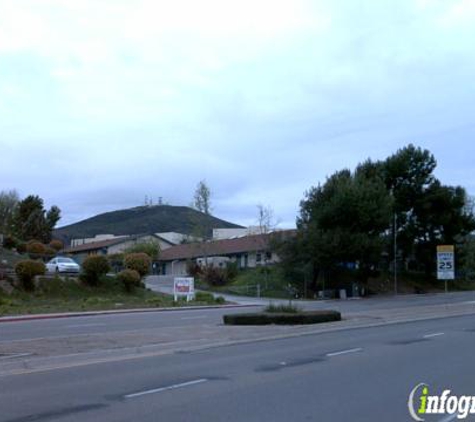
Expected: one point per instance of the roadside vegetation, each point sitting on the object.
(69, 294)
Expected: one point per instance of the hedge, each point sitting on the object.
(265, 318)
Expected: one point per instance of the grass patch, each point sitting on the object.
(267, 318)
(55, 294)
(271, 281)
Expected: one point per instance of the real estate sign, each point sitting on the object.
(445, 262)
(184, 286)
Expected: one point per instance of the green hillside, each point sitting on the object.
(141, 220)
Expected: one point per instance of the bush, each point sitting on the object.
(204, 297)
(214, 276)
(57, 245)
(220, 300)
(139, 262)
(311, 317)
(151, 248)
(26, 271)
(130, 279)
(35, 249)
(9, 242)
(192, 268)
(21, 247)
(93, 268)
(285, 309)
(232, 271)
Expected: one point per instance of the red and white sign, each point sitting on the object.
(184, 286)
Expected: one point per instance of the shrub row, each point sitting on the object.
(265, 318)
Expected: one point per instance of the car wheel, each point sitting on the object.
(57, 269)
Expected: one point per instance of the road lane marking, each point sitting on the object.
(433, 335)
(344, 352)
(170, 387)
(15, 355)
(84, 325)
(194, 317)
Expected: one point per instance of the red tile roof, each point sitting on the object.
(220, 247)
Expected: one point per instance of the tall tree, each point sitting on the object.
(202, 198)
(8, 203)
(32, 221)
(343, 221)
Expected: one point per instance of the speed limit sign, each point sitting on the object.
(445, 262)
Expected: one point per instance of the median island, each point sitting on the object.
(282, 315)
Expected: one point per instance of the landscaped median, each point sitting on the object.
(282, 316)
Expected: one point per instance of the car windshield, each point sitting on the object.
(65, 261)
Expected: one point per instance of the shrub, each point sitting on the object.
(35, 249)
(214, 276)
(130, 279)
(9, 242)
(220, 300)
(21, 247)
(57, 245)
(286, 309)
(192, 268)
(26, 271)
(151, 248)
(139, 262)
(311, 317)
(231, 271)
(204, 297)
(49, 252)
(93, 268)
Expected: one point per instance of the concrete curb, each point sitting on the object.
(18, 318)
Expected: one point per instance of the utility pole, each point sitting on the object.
(395, 254)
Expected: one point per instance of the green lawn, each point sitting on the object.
(271, 283)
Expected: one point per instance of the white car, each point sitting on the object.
(62, 265)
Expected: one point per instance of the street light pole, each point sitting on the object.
(395, 254)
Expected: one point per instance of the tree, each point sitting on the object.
(343, 222)
(202, 198)
(8, 203)
(201, 226)
(32, 221)
(202, 203)
(151, 248)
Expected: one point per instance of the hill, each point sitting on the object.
(141, 220)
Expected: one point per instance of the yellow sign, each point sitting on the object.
(445, 248)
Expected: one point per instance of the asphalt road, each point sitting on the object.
(356, 375)
(53, 328)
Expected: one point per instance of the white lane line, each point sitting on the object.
(85, 325)
(170, 387)
(344, 352)
(15, 355)
(449, 418)
(194, 317)
(433, 335)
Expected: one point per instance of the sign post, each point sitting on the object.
(445, 263)
(184, 286)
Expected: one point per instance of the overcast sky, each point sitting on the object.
(105, 101)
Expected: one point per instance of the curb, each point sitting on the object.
(19, 318)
